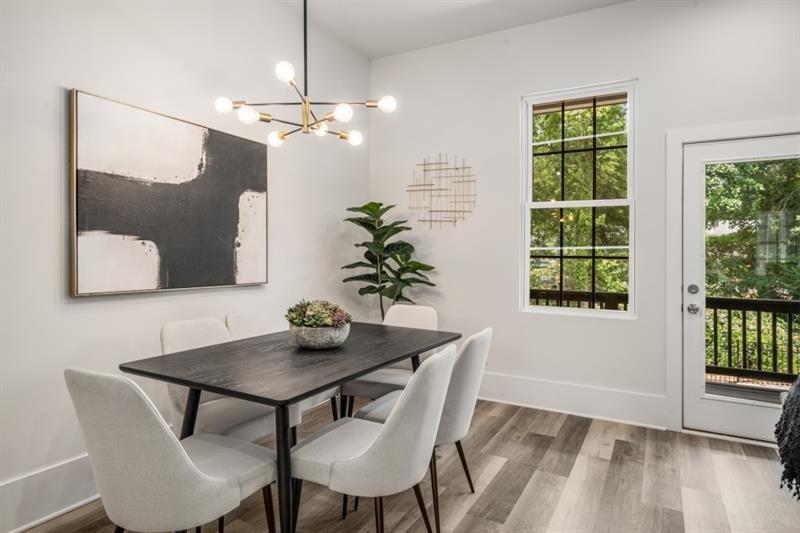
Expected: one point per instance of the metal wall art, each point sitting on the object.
(442, 191)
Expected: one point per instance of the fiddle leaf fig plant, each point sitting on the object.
(390, 266)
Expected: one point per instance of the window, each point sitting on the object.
(578, 201)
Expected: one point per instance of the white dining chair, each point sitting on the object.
(370, 459)
(147, 479)
(253, 323)
(395, 376)
(459, 406)
(218, 414)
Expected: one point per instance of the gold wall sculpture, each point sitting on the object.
(442, 191)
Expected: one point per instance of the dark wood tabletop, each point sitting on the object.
(272, 370)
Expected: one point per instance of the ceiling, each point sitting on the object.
(378, 28)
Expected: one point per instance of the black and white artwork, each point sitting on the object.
(159, 203)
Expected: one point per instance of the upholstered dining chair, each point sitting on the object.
(459, 406)
(147, 479)
(396, 376)
(217, 413)
(369, 459)
(244, 324)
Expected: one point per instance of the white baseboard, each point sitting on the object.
(43, 494)
(638, 408)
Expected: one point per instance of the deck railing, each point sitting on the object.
(747, 338)
(752, 338)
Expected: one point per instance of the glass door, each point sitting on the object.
(741, 274)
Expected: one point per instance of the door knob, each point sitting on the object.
(693, 289)
(693, 309)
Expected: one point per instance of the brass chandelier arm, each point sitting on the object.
(261, 104)
(288, 122)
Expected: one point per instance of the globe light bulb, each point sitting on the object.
(284, 71)
(343, 113)
(355, 138)
(247, 114)
(223, 105)
(387, 104)
(320, 129)
(275, 139)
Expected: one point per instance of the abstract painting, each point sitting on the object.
(159, 203)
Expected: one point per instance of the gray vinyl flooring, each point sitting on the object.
(543, 471)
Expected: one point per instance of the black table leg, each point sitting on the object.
(190, 413)
(284, 452)
(415, 362)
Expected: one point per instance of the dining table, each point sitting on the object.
(272, 370)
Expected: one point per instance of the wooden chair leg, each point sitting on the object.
(378, 515)
(266, 492)
(221, 524)
(355, 505)
(198, 529)
(435, 490)
(342, 405)
(293, 435)
(298, 490)
(118, 529)
(464, 465)
(350, 405)
(421, 503)
(334, 410)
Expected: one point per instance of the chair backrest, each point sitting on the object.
(243, 324)
(183, 335)
(398, 458)
(462, 395)
(145, 478)
(410, 316)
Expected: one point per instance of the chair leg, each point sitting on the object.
(334, 410)
(298, 490)
(198, 529)
(118, 529)
(378, 515)
(221, 524)
(421, 503)
(268, 508)
(435, 490)
(344, 506)
(355, 505)
(351, 402)
(293, 435)
(464, 464)
(342, 405)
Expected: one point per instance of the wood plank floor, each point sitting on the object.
(543, 471)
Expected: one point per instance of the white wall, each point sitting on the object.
(697, 63)
(173, 57)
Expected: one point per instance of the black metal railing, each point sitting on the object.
(744, 337)
(752, 338)
(617, 301)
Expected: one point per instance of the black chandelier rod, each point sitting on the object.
(305, 47)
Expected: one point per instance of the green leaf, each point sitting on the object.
(384, 233)
(398, 250)
(370, 278)
(364, 222)
(370, 289)
(372, 209)
(359, 264)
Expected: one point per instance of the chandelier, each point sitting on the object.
(309, 122)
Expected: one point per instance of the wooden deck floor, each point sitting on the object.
(543, 471)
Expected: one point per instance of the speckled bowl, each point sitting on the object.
(319, 338)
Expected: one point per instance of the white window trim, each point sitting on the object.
(526, 151)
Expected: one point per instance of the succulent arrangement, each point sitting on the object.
(317, 314)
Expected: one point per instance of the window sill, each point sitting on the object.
(580, 313)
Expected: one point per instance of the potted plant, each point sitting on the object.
(318, 324)
(391, 266)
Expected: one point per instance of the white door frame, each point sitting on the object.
(676, 139)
